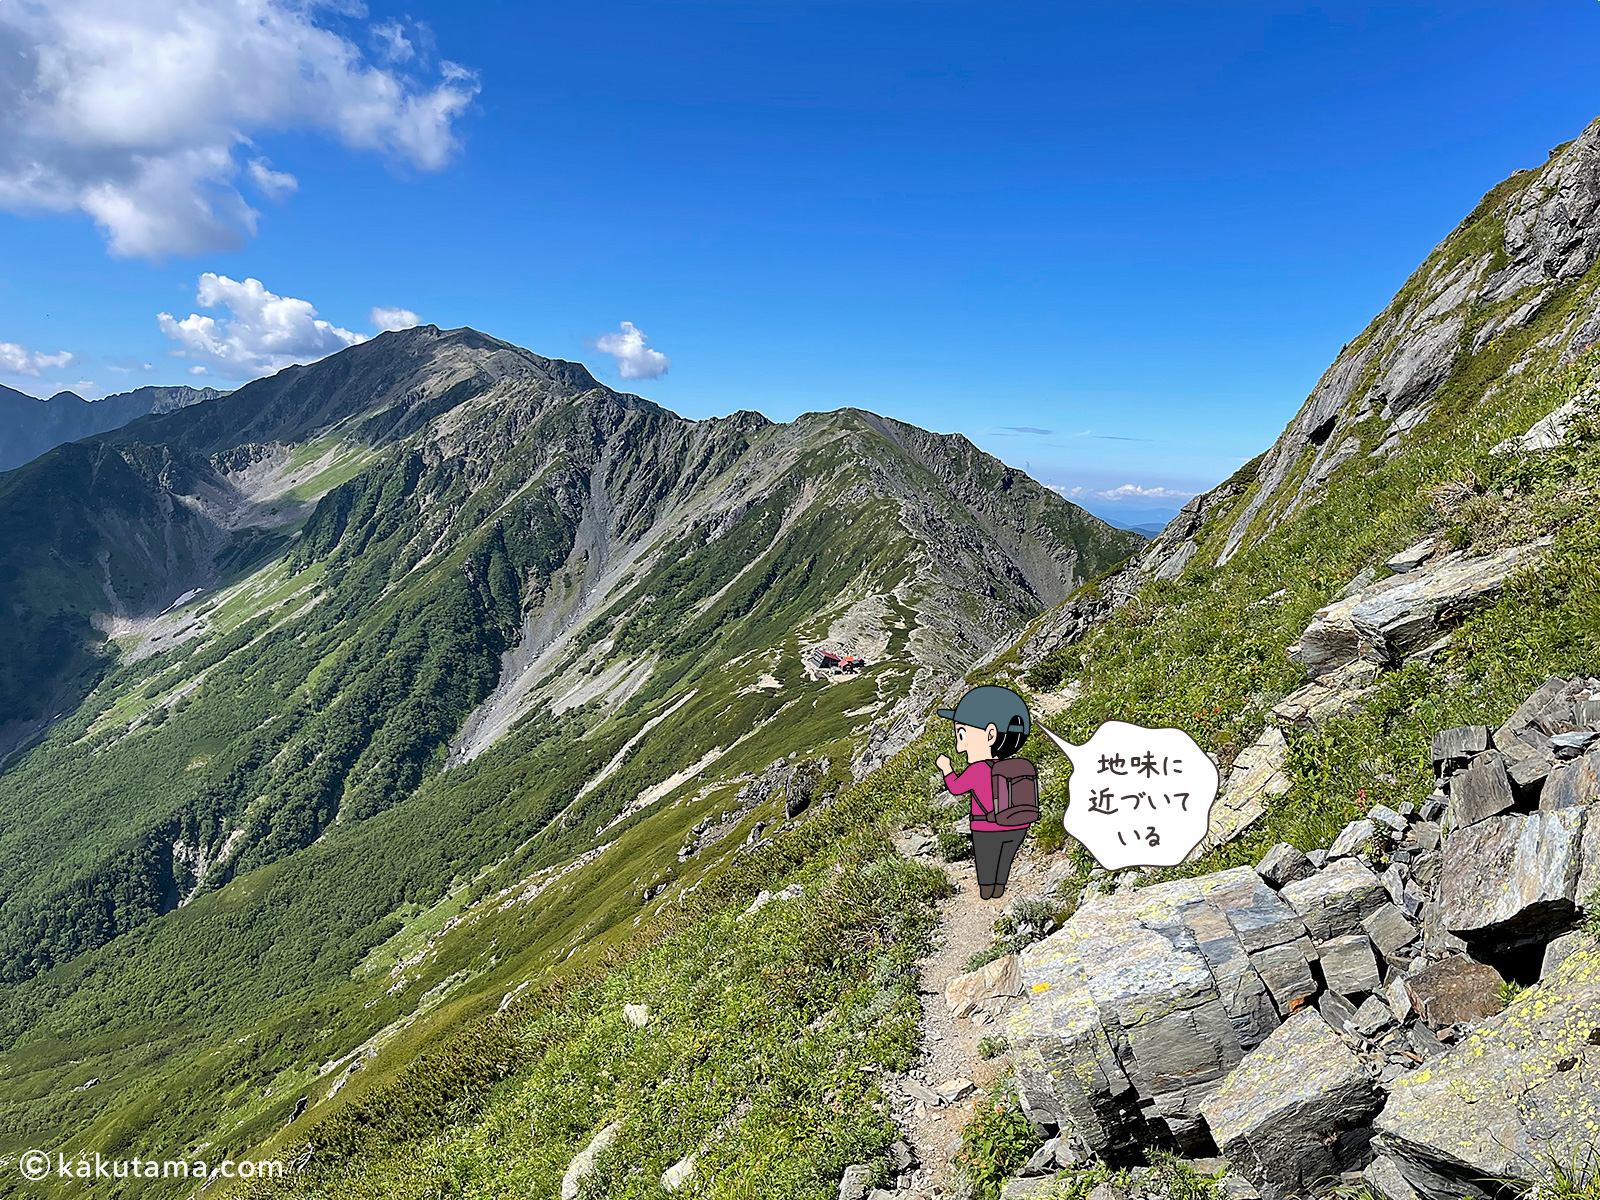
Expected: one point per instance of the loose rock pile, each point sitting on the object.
(1340, 1011)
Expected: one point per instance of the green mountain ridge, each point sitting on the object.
(773, 1036)
(410, 626)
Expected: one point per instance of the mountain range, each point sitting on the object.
(419, 762)
(29, 427)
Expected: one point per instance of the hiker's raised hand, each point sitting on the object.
(943, 763)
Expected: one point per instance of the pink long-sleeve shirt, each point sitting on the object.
(979, 780)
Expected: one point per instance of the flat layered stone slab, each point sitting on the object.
(1572, 784)
(1520, 1091)
(1482, 790)
(1257, 775)
(1461, 742)
(1258, 915)
(1335, 900)
(1512, 877)
(1389, 929)
(1349, 966)
(1291, 1113)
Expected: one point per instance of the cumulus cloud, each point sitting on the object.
(17, 359)
(261, 333)
(635, 360)
(136, 112)
(1128, 491)
(386, 318)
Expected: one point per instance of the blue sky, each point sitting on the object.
(1114, 243)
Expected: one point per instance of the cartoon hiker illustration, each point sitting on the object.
(991, 725)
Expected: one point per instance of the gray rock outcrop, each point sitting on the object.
(1521, 1091)
(1296, 1110)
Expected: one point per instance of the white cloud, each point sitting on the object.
(133, 111)
(391, 42)
(262, 332)
(387, 318)
(19, 360)
(197, 369)
(1128, 491)
(635, 360)
(277, 185)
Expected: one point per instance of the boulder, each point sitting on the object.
(1137, 1006)
(1552, 703)
(1512, 878)
(1335, 900)
(1352, 839)
(583, 1162)
(1257, 775)
(680, 1172)
(1396, 616)
(1571, 784)
(1518, 1093)
(1294, 1110)
(855, 1181)
(1382, 814)
(1335, 1010)
(1482, 790)
(1043, 1160)
(1348, 966)
(1453, 990)
(1284, 864)
(1461, 742)
(953, 1090)
(1570, 745)
(1372, 1017)
(1559, 949)
(1403, 618)
(1286, 972)
(984, 988)
(1389, 930)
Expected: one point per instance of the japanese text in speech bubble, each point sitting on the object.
(1138, 797)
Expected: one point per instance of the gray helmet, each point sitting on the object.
(991, 705)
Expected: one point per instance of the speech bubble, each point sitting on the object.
(1138, 797)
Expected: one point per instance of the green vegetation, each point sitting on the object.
(994, 1144)
(992, 1047)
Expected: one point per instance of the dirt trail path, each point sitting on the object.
(950, 1046)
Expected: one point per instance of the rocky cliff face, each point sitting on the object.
(1511, 285)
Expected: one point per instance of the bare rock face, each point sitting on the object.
(1396, 616)
(1296, 1109)
(1514, 877)
(1520, 1091)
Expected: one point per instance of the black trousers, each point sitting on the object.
(992, 852)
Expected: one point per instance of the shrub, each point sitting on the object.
(995, 1143)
